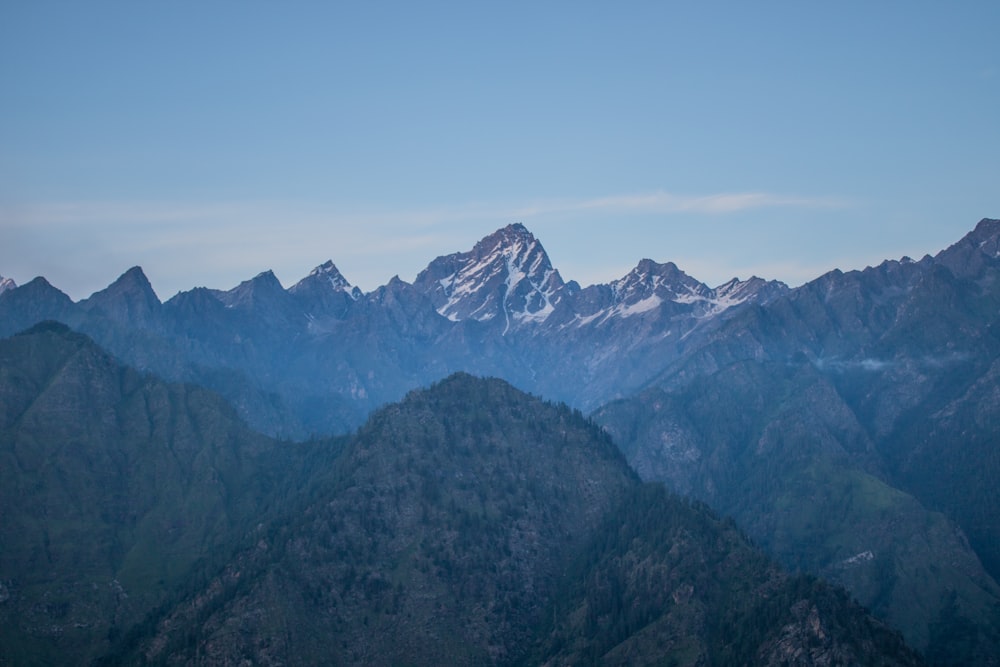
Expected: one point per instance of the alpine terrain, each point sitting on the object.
(848, 426)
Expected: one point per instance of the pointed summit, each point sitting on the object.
(650, 284)
(262, 288)
(132, 281)
(129, 299)
(324, 295)
(266, 310)
(506, 278)
(513, 231)
(32, 302)
(325, 278)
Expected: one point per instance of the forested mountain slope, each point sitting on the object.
(850, 426)
(472, 524)
(142, 522)
(116, 491)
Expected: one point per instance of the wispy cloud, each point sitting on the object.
(664, 202)
(667, 203)
(286, 212)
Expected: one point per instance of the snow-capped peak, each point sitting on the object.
(665, 282)
(506, 277)
(650, 287)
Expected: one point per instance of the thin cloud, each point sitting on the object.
(664, 202)
(283, 213)
(668, 203)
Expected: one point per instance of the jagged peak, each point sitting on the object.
(264, 284)
(7, 284)
(397, 283)
(266, 276)
(394, 285)
(133, 279)
(506, 277)
(731, 284)
(651, 285)
(514, 240)
(753, 281)
(754, 289)
(648, 268)
(650, 277)
(39, 287)
(134, 273)
(327, 268)
(129, 298)
(392, 292)
(40, 282)
(263, 280)
(327, 273)
(649, 265)
(514, 230)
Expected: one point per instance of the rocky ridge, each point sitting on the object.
(326, 354)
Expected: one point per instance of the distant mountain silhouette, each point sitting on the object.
(848, 424)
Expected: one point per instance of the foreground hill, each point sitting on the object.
(470, 524)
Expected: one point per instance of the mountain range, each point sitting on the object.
(848, 425)
(319, 356)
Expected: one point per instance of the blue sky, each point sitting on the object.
(209, 141)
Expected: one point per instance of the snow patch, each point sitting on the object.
(643, 306)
